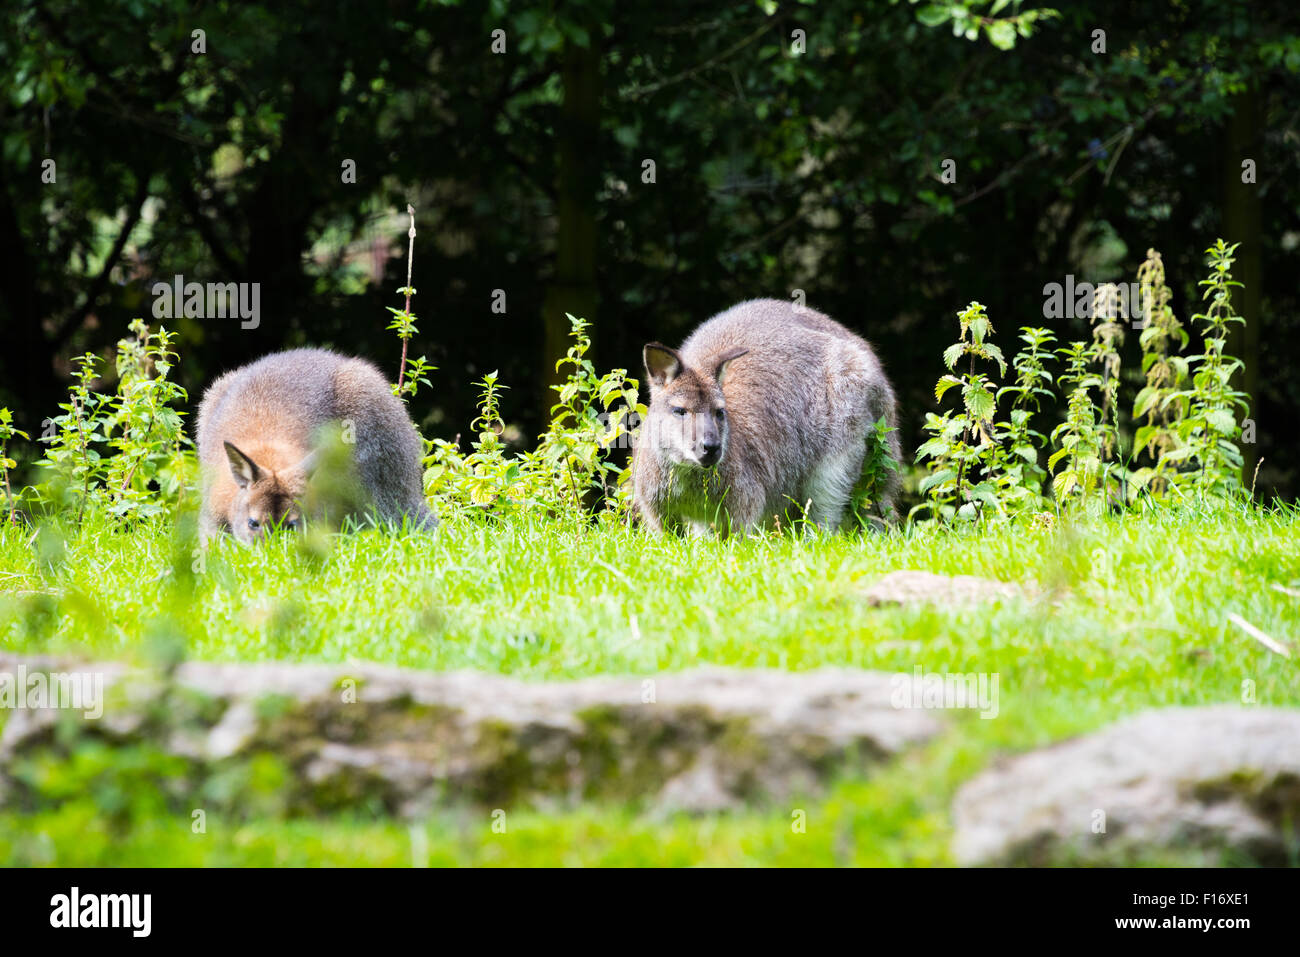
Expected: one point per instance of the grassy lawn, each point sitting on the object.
(1129, 613)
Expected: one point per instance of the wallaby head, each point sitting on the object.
(687, 415)
(266, 499)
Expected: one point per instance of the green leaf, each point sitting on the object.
(1002, 34)
(935, 479)
(1064, 484)
(931, 448)
(944, 384)
(1222, 421)
(979, 402)
(994, 353)
(933, 15)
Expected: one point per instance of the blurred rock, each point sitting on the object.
(1213, 779)
(402, 741)
(918, 588)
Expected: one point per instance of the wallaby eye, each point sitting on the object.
(253, 523)
(720, 413)
(679, 410)
(291, 523)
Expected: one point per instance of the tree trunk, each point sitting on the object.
(573, 289)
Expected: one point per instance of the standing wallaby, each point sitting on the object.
(264, 430)
(766, 406)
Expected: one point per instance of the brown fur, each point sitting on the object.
(798, 394)
(259, 432)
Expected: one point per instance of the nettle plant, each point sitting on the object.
(594, 414)
(75, 470)
(485, 476)
(874, 476)
(570, 469)
(145, 432)
(979, 464)
(1017, 476)
(412, 372)
(1208, 429)
(962, 446)
(123, 451)
(1107, 339)
(979, 467)
(1080, 438)
(7, 434)
(1162, 339)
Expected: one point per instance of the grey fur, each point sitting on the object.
(799, 400)
(278, 405)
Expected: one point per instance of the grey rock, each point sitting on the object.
(403, 741)
(918, 588)
(1211, 779)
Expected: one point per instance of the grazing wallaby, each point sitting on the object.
(765, 406)
(264, 431)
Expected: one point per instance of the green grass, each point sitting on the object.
(1132, 614)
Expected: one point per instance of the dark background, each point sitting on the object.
(774, 171)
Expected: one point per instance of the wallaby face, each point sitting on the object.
(265, 500)
(687, 415)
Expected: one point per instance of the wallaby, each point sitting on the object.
(265, 428)
(765, 408)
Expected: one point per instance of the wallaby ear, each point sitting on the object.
(307, 464)
(244, 469)
(661, 363)
(725, 360)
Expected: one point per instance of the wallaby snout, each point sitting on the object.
(710, 452)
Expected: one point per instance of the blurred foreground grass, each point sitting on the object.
(1132, 614)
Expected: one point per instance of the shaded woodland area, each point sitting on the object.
(776, 167)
